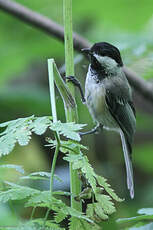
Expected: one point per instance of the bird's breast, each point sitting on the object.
(95, 98)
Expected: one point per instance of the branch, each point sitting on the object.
(50, 27)
(145, 88)
(41, 22)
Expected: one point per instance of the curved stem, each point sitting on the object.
(54, 164)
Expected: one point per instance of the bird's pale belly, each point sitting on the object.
(96, 103)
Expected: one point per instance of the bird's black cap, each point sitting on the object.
(105, 49)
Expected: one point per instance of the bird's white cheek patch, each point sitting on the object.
(109, 62)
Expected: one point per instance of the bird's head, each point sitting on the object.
(103, 54)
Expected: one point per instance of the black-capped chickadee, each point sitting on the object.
(108, 97)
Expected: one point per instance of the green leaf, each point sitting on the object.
(87, 169)
(103, 182)
(106, 203)
(81, 162)
(40, 125)
(103, 205)
(17, 193)
(23, 136)
(96, 212)
(20, 131)
(7, 144)
(40, 176)
(62, 87)
(60, 216)
(76, 224)
(16, 131)
(41, 199)
(49, 224)
(18, 168)
(44, 199)
(75, 213)
(66, 146)
(11, 125)
(73, 157)
(68, 130)
(147, 211)
(33, 178)
(100, 209)
(134, 219)
(144, 227)
(37, 176)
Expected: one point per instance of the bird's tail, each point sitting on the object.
(128, 163)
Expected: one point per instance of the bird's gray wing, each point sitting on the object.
(120, 105)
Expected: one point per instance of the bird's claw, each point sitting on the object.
(76, 82)
(73, 80)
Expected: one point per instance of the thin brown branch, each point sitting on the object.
(50, 27)
(41, 22)
(145, 88)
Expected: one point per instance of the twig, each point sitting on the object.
(37, 20)
(145, 88)
(52, 28)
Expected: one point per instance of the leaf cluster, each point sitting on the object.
(102, 205)
(20, 131)
(96, 187)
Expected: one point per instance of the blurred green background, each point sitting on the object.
(24, 91)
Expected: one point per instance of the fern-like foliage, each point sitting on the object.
(103, 206)
(96, 187)
(20, 131)
(16, 192)
(40, 176)
(37, 198)
(43, 199)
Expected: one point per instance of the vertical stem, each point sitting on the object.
(54, 114)
(52, 88)
(71, 113)
(54, 163)
(68, 36)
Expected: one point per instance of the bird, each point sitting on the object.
(108, 97)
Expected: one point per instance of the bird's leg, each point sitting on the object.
(95, 130)
(76, 82)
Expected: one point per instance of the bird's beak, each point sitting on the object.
(86, 51)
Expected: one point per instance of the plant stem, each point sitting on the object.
(45, 218)
(52, 89)
(54, 163)
(71, 113)
(54, 114)
(32, 213)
